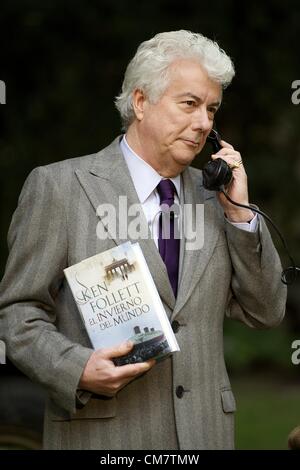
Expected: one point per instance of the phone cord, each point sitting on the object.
(289, 274)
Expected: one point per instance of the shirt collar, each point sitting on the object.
(145, 178)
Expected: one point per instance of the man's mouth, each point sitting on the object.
(191, 142)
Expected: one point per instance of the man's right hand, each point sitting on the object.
(102, 377)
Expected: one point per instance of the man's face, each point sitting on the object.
(174, 130)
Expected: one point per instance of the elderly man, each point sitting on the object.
(171, 92)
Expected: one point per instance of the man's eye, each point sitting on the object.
(190, 103)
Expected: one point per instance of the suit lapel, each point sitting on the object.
(106, 182)
(196, 260)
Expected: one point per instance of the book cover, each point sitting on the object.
(118, 301)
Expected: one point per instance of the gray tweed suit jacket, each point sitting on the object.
(236, 273)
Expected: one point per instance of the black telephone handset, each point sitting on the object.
(216, 173)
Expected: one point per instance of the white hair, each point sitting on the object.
(148, 70)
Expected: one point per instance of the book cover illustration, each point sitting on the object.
(118, 301)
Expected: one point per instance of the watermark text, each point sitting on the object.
(296, 94)
(2, 352)
(2, 92)
(295, 358)
(129, 222)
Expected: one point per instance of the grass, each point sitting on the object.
(267, 410)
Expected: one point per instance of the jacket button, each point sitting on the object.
(179, 391)
(175, 326)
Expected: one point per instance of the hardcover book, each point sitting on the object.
(118, 301)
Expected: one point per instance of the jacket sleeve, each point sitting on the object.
(258, 297)
(38, 244)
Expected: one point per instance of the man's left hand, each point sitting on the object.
(238, 188)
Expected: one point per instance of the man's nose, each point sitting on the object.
(201, 121)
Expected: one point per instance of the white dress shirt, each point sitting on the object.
(146, 179)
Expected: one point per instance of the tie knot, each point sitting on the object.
(166, 191)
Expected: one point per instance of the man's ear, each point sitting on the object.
(138, 101)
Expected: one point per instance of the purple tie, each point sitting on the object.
(167, 243)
